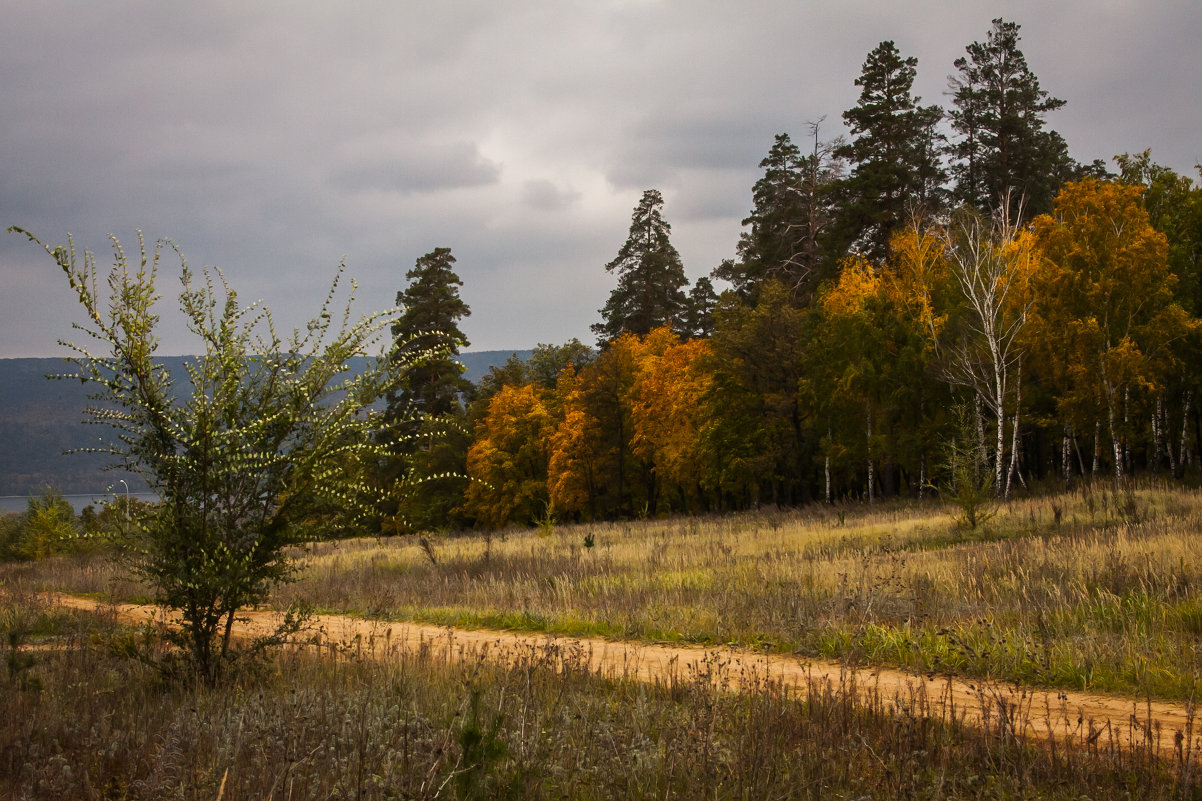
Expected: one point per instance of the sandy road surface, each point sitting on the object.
(1069, 717)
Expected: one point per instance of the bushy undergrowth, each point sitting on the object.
(366, 722)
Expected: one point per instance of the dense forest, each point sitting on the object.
(942, 299)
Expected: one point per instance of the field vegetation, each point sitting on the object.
(1095, 590)
(90, 716)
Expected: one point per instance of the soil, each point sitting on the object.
(1073, 719)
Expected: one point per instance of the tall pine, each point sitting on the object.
(788, 233)
(651, 279)
(425, 412)
(1003, 153)
(894, 155)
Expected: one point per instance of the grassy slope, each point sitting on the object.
(1107, 599)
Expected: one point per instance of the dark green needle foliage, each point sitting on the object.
(1004, 154)
(894, 152)
(651, 279)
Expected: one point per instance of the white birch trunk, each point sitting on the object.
(1066, 456)
(871, 472)
(1116, 443)
(1158, 435)
(828, 479)
(1184, 450)
(1097, 447)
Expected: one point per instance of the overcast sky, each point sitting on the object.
(274, 139)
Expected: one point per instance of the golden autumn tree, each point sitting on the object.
(668, 414)
(508, 460)
(1104, 321)
(604, 449)
(578, 465)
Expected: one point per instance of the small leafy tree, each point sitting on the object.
(970, 481)
(262, 445)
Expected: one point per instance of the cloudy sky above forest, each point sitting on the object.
(275, 138)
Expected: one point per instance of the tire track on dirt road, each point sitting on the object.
(1070, 718)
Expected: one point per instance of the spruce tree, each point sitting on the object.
(1004, 154)
(895, 172)
(651, 279)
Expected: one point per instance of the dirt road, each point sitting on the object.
(1069, 717)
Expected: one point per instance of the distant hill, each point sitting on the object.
(40, 418)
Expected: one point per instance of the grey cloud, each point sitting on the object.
(273, 137)
(423, 169)
(542, 195)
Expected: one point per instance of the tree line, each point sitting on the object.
(903, 304)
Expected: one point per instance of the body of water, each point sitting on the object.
(19, 503)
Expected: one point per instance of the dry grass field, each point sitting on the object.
(1095, 590)
(1092, 591)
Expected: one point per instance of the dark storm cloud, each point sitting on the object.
(275, 138)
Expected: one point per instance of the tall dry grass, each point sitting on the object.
(1095, 590)
(85, 720)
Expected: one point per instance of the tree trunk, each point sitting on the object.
(827, 467)
(1018, 400)
(1097, 447)
(871, 473)
(1000, 485)
(1158, 435)
(1183, 452)
(1116, 442)
(1066, 465)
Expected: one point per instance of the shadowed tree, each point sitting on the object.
(1004, 154)
(894, 155)
(788, 231)
(425, 413)
(651, 279)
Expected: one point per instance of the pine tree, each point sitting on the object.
(895, 173)
(651, 279)
(702, 303)
(788, 229)
(430, 322)
(425, 413)
(773, 241)
(1004, 154)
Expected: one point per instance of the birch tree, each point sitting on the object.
(991, 262)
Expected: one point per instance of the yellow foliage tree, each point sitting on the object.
(669, 413)
(1104, 322)
(509, 458)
